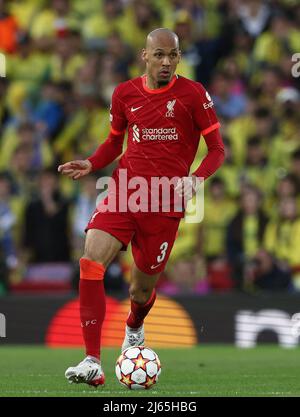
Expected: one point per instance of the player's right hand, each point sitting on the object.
(76, 169)
(187, 187)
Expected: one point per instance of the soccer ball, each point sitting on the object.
(138, 368)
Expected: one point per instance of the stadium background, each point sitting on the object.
(63, 60)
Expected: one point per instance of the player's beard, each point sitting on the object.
(162, 83)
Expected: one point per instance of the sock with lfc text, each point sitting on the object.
(92, 305)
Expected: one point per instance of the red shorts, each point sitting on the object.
(151, 235)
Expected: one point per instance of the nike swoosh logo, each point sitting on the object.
(155, 266)
(135, 108)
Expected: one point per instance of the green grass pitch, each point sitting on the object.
(215, 370)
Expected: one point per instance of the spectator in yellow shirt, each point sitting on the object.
(53, 22)
(140, 17)
(219, 209)
(245, 233)
(282, 235)
(257, 170)
(282, 36)
(27, 135)
(286, 187)
(67, 58)
(97, 27)
(229, 171)
(26, 70)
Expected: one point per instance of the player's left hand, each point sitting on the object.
(187, 187)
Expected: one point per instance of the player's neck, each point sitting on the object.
(153, 84)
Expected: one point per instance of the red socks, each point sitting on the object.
(92, 304)
(139, 312)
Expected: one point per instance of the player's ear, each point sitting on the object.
(144, 55)
(179, 55)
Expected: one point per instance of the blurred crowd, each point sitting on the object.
(63, 60)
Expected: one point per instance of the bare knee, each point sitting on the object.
(140, 295)
(91, 255)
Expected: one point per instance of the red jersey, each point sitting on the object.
(164, 125)
(164, 128)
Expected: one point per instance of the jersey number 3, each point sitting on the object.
(163, 248)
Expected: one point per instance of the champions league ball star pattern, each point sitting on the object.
(138, 368)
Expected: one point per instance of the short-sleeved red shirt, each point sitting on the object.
(164, 125)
